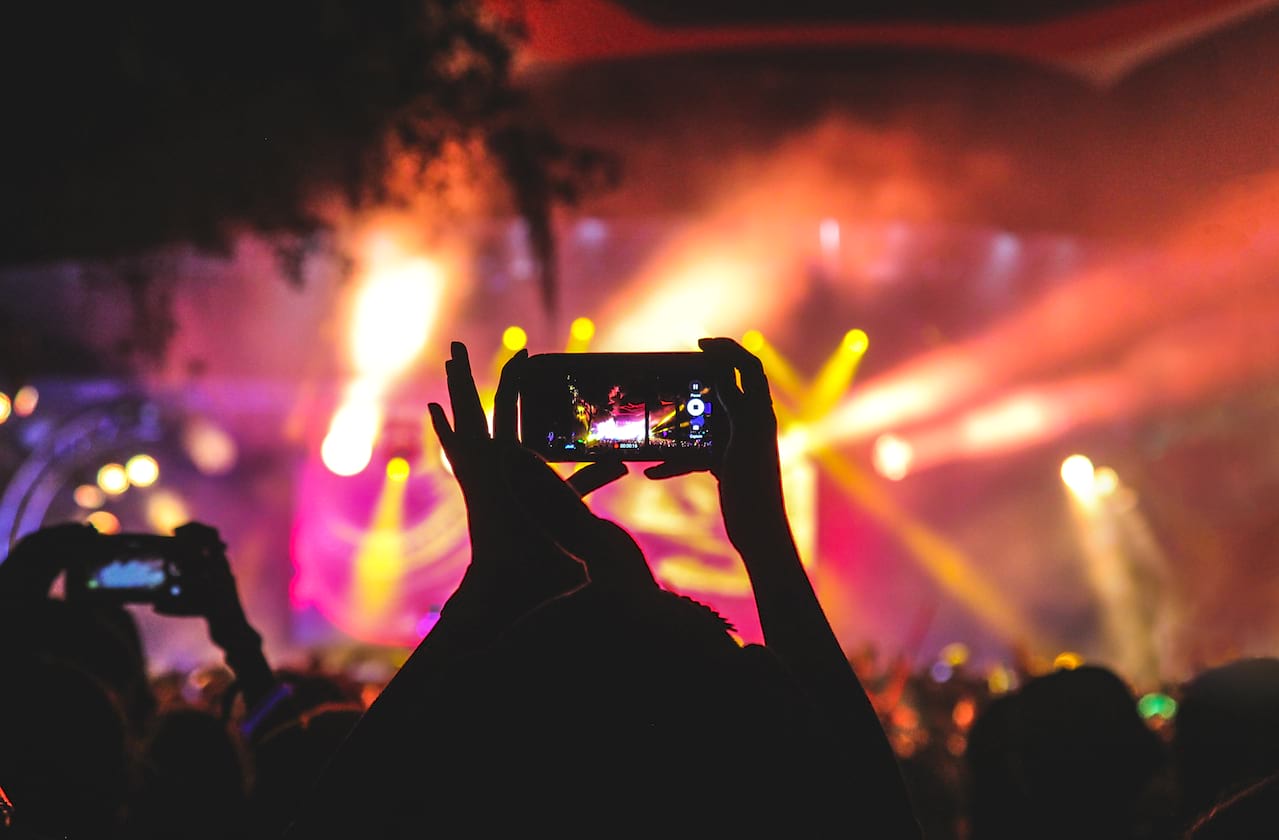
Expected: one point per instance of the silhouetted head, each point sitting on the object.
(102, 640)
(635, 709)
(193, 779)
(288, 760)
(63, 749)
(1065, 756)
(1227, 731)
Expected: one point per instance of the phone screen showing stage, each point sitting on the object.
(634, 407)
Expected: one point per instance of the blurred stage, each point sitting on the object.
(931, 380)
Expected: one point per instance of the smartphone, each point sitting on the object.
(127, 569)
(622, 406)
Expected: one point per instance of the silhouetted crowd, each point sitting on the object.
(564, 693)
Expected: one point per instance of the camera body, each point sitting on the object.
(129, 569)
(623, 406)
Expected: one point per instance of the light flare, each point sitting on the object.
(394, 312)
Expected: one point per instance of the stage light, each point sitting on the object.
(379, 560)
(892, 457)
(104, 522)
(954, 654)
(580, 333)
(24, 402)
(856, 341)
(835, 376)
(1157, 704)
(964, 713)
(1078, 475)
(828, 234)
(88, 496)
(1000, 680)
(941, 672)
(166, 511)
(1105, 481)
(113, 479)
(582, 329)
(753, 340)
(397, 469)
(211, 449)
(348, 446)
(514, 338)
(1067, 660)
(6, 406)
(393, 316)
(792, 444)
(142, 470)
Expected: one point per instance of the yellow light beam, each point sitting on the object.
(379, 560)
(944, 562)
(783, 379)
(836, 376)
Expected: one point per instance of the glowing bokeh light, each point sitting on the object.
(856, 341)
(1067, 660)
(753, 340)
(1105, 481)
(6, 406)
(142, 470)
(828, 234)
(1157, 704)
(892, 457)
(397, 469)
(348, 446)
(113, 479)
(104, 522)
(954, 654)
(582, 329)
(514, 338)
(24, 402)
(1078, 475)
(165, 511)
(1000, 680)
(964, 713)
(89, 496)
(393, 316)
(211, 450)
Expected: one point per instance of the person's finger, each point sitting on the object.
(505, 415)
(443, 431)
(611, 555)
(468, 414)
(670, 470)
(754, 382)
(594, 476)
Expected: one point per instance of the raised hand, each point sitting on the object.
(792, 619)
(36, 561)
(514, 566)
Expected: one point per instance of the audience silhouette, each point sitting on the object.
(563, 690)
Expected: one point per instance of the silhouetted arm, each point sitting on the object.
(515, 566)
(794, 625)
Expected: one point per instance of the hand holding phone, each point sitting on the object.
(128, 569)
(623, 407)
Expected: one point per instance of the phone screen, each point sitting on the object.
(624, 406)
(126, 568)
(129, 573)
